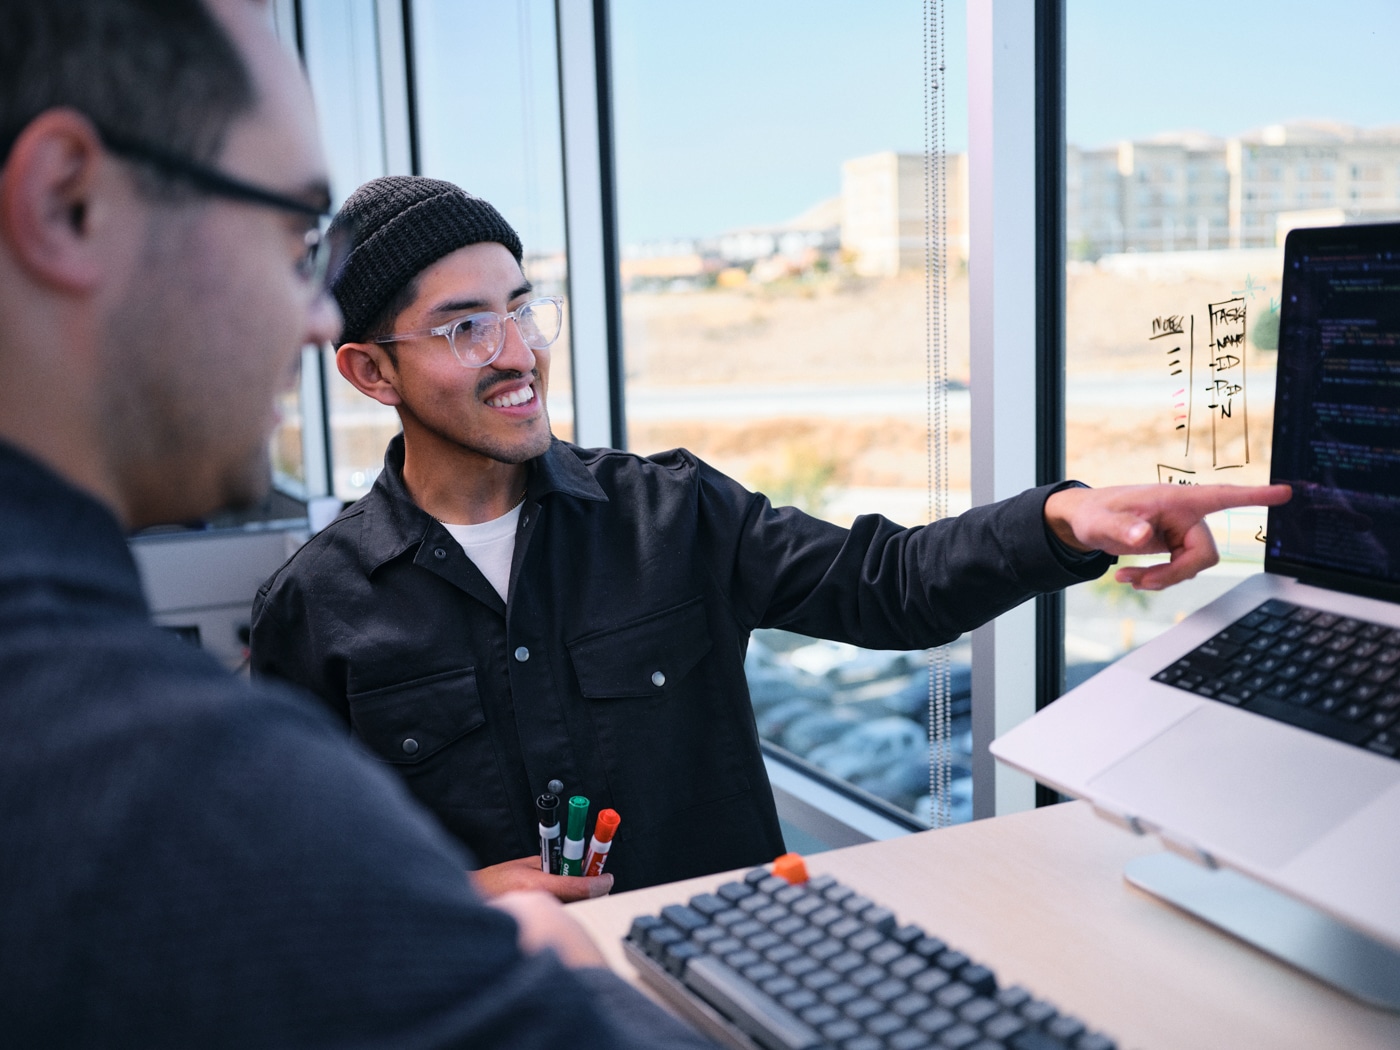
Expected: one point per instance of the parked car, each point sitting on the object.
(810, 731)
(911, 700)
(871, 748)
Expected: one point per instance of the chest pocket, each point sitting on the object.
(409, 722)
(643, 658)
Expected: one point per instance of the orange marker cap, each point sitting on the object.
(792, 867)
(606, 825)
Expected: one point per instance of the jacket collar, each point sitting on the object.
(393, 523)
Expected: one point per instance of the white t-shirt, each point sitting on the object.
(490, 546)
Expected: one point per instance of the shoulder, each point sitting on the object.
(325, 556)
(615, 468)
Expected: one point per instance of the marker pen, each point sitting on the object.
(573, 842)
(547, 807)
(603, 832)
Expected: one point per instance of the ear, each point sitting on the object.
(369, 369)
(49, 194)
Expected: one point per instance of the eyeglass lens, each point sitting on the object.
(477, 339)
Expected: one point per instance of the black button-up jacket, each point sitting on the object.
(617, 666)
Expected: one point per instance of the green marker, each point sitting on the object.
(573, 841)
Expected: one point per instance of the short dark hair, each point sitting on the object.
(383, 323)
(157, 71)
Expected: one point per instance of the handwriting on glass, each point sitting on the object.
(1222, 385)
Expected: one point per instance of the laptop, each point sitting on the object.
(1261, 733)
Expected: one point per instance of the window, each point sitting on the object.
(771, 210)
(1153, 391)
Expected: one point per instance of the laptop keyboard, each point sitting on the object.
(1317, 670)
(766, 963)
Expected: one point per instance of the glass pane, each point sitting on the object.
(771, 209)
(1188, 161)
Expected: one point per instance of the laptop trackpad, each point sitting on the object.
(1242, 785)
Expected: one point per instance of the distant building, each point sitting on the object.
(1188, 191)
(883, 204)
(1175, 194)
(1308, 167)
(1093, 202)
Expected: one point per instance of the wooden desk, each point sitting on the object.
(1040, 898)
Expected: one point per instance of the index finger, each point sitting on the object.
(1207, 499)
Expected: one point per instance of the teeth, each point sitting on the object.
(515, 397)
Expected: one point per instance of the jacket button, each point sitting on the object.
(439, 553)
(658, 679)
(522, 654)
(410, 746)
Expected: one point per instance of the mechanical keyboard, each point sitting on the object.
(1330, 674)
(806, 964)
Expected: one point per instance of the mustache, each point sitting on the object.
(489, 383)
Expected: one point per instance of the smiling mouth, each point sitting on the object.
(515, 397)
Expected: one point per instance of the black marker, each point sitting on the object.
(547, 806)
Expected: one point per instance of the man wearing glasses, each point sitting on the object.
(189, 860)
(504, 609)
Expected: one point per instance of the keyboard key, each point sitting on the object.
(978, 1010)
(1065, 1027)
(840, 1030)
(840, 994)
(860, 1009)
(935, 1020)
(1037, 1012)
(953, 995)
(750, 1009)
(1013, 997)
(885, 952)
(909, 1039)
(959, 1036)
(734, 891)
(799, 1000)
(883, 1024)
(1309, 718)
(889, 989)
(930, 981)
(865, 940)
(878, 918)
(1003, 1026)
(911, 1004)
(978, 978)
(821, 1014)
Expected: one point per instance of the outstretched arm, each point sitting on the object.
(1151, 519)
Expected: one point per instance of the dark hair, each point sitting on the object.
(383, 323)
(157, 71)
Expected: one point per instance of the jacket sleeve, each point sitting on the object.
(878, 584)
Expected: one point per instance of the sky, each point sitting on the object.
(734, 113)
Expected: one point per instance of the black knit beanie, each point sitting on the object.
(400, 225)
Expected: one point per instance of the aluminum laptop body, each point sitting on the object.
(1219, 778)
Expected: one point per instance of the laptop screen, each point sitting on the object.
(1337, 409)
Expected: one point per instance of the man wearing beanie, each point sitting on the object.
(504, 609)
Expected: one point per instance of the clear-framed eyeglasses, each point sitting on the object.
(477, 339)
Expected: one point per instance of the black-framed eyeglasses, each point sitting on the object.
(324, 250)
(477, 339)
